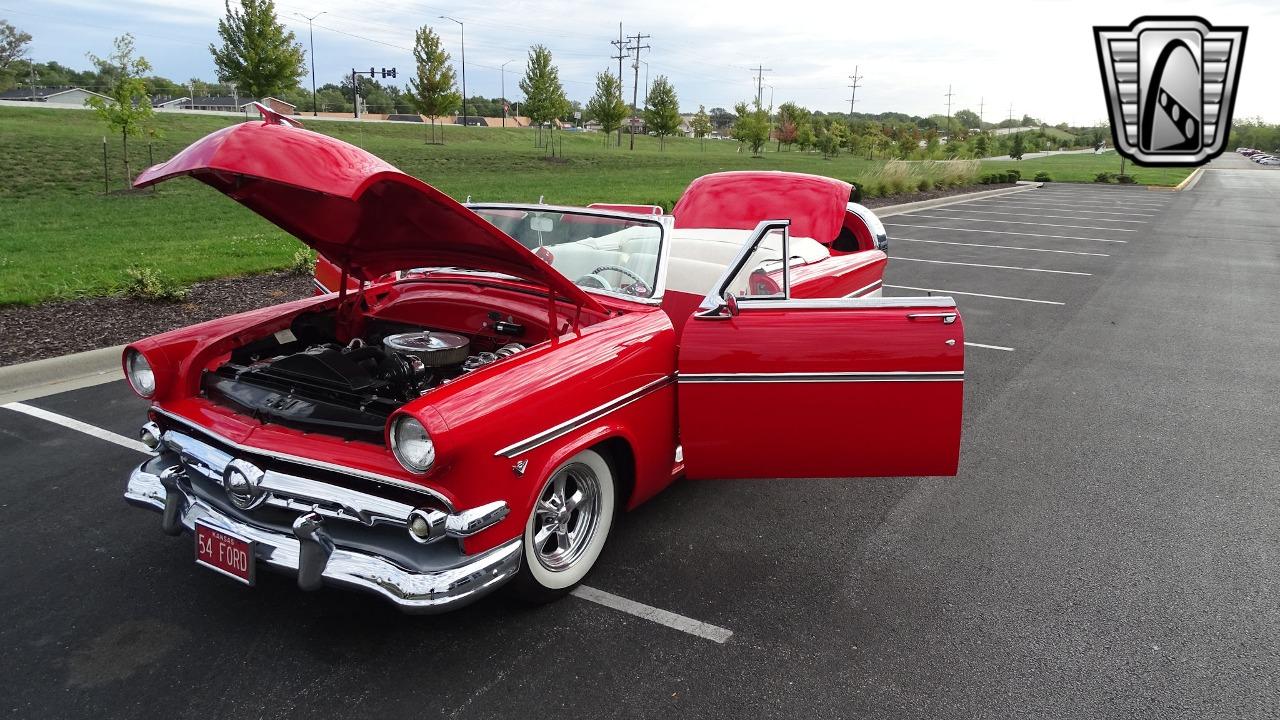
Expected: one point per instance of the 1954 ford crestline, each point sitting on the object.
(489, 384)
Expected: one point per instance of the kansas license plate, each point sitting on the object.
(228, 554)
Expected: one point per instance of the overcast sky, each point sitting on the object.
(1036, 55)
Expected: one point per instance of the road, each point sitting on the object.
(1108, 548)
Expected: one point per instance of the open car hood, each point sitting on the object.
(361, 213)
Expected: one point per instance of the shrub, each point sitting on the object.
(1043, 176)
(924, 185)
(899, 185)
(1103, 177)
(1125, 179)
(1015, 175)
(148, 283)
(304, 262)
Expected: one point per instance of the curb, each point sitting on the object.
(887, 210)
(59, 374)
(1186, 184)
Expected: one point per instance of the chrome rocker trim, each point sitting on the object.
(825, 377)
(311, 555)
(568, 426)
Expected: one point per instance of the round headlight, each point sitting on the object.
(412, 445)
(138, 372)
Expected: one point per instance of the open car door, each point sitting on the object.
(771, 386)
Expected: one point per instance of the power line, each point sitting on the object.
(853, 95)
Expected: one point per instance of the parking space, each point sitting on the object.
(1106, 546)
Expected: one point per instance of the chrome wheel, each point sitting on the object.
(566, 516)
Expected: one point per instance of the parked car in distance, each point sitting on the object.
(519, 373)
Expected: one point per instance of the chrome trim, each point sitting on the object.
(568, 426)
(414, 592)
(848, 303)
(714, 299)
(150, 435)
(665, 223)
(825, 377)
(865, 289)
(470, 522)
(320, 286)
(318, 464)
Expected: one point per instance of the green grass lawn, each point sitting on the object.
(61, 236)
(1084, 167)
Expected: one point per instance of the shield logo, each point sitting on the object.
(1171, 85)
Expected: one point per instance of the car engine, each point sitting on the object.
(301, 378)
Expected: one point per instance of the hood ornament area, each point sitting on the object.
(1170, 84)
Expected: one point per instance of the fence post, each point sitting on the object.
(106, 178)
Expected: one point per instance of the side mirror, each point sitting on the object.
(730, 304)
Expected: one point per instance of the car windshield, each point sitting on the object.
(598, 251)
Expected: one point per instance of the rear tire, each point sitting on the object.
(567, 528)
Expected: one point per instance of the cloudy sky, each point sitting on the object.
(1035, 55)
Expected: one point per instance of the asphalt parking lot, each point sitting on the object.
(1107, 550)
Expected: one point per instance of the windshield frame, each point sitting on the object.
(664, 223)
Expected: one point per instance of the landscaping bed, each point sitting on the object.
(70, 326)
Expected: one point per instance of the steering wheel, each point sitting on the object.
(593, 280)
(639, 287)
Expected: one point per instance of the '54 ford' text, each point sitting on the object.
(489, 384)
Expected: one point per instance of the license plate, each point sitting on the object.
(228, 554)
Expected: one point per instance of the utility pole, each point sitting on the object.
(503, 71)
(464, 66)
(981, 101)
(635, 46)
(32, 82)
(1010, 114)
(620, 44)
(948, 96)
(853, 95)
(311, 33)
(760, 71)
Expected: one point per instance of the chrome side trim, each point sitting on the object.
(865, 289)
(318, 464)
(825, 377)
(568, 426)
(320, 286)
(851, 303)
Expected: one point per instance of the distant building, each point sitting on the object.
(221, 103)
(52, 95)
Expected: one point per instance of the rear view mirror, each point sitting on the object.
(541, 223)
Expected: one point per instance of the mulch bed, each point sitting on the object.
(71, 326)
(930, 195)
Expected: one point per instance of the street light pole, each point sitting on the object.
(503, 72)
(464, 66)
(311, 33)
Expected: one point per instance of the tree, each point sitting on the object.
(606, 106)
(981, 146)
(752, 127)
(432, 91)
(722, 119)
(785, 130)
(804, 137)
(1018, 148)
(13, 44)
(126, 107)
(257, 53)
(662, 112)
(968, 119)
(544, 98)
(701, 125)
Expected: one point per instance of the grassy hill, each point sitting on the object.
(61, 236)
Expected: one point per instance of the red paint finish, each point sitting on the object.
(820, 429)
(356, 210)
(739, 200)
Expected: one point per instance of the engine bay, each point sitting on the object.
(305, 377)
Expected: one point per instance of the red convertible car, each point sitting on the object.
(491, 383)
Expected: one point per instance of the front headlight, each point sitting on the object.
(139, 374)
(411, 444)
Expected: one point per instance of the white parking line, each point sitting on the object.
(1007, 232)
(1055, 208)
(662, 617)
(1018, 222)
(74, 424)
(997, 267)
(684, 624)
(1020, 214)
(1000, 247)
(974, 294)
(989, 347)
(1105, 206)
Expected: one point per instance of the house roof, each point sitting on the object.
(42, 93)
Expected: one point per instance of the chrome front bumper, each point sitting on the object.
(310, 553)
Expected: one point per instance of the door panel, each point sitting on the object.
(822, 388)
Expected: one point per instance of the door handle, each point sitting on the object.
(946, 317)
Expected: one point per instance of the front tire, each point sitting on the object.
(567, 528)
